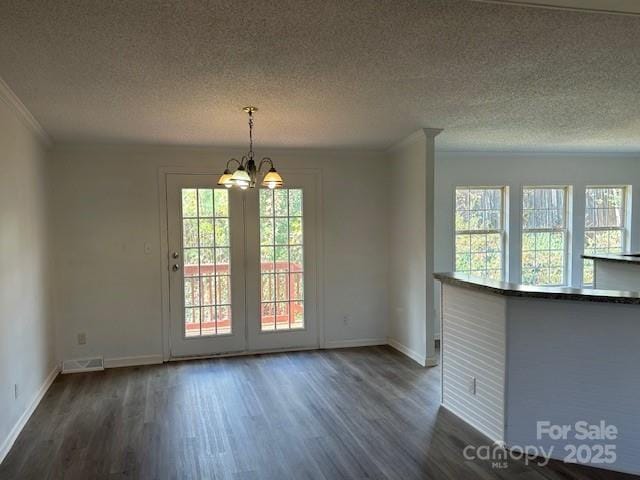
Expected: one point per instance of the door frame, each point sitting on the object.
(316, 176)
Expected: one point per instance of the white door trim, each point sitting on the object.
(164, 245)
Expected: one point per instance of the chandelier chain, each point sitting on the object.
(251, 134)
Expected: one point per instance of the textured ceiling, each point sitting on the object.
(325, 73)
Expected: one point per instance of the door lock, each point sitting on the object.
(175, 255)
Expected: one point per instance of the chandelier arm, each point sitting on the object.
(263, 161)
(233, 160)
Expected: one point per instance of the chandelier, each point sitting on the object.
(247, 172)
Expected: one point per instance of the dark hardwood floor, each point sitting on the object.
(351, 413)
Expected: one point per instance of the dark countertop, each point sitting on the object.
(615, 257)
(530, 291)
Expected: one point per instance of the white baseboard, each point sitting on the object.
(413, 355)
(242, 353)
(432, 361)
(24, 418)
(133, 361)
(362, 342)
(472, 424)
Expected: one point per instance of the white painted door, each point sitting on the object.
(205, 226)
(242, 266)
(281, 246)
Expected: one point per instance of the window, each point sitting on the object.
(206, 253)
(544, 235)
(604, 224)
(281, 262)
(479, 227)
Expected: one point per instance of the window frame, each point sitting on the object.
(565, 231)
(502, 231)
(623, 229)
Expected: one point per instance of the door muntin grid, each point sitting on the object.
(281, 260)
(206, 254)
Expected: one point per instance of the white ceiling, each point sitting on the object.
(330, 73)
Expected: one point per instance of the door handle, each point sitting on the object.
(175, 267)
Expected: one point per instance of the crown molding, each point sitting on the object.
(421, 134)
(572, 5)
(597, 154)
(432, 132)
(11, 99)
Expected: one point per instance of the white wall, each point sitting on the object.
(571, 361)
(475, 329)
(106, 208)
(411, 240)
(27, 356)
(616, 275)
(518, 170)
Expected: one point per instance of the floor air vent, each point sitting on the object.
(83, 365)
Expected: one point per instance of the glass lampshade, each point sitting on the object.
(240, 178)
(225, 178)
(272, 179)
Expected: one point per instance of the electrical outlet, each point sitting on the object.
(16, 392)
(82, 338)
(147, 248)
(472, 385)
(346, 319)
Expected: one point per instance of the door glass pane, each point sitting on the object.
(281, 259)
(206, 262)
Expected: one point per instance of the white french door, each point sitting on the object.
(242, 266)
(281, 271)
(206, 275)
